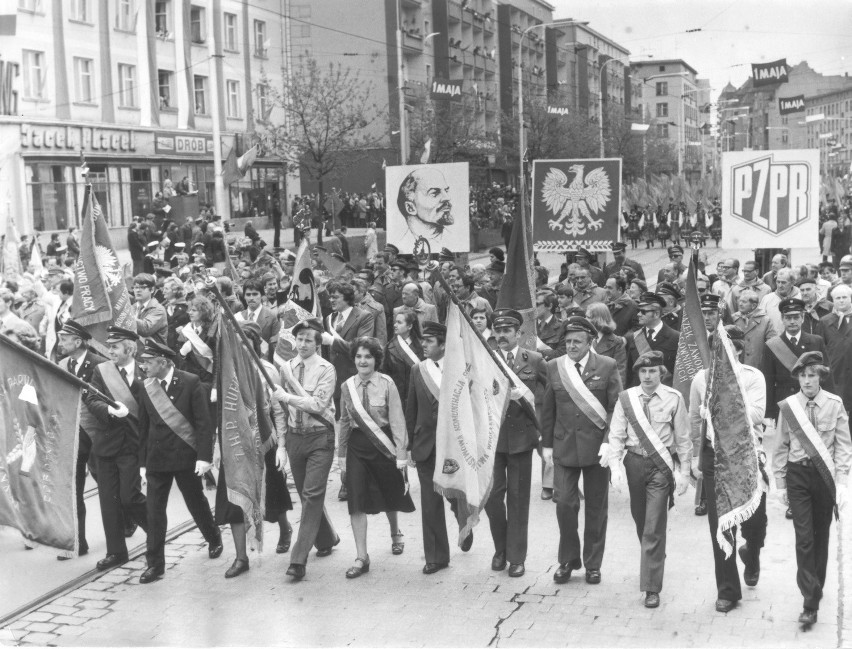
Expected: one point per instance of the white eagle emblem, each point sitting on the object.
(108, 264)
(583, 197)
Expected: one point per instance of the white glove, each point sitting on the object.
(327, 338)
(142, 475)
(681, 482)
(605, 454)
(401, 464)
(514, 393)
(702, 410)
(217, 456)
(693, 465)
(547, 455)
(617, 477)
(782, 496)
(842, 497)
(202, 467)
(187, 347)
(214, 395)
(120, 411)
(281, 458)
(280, 394)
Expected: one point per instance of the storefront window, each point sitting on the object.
(141, 195)
(255, 195)
(51, 196)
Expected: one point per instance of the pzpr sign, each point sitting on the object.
(770, 199)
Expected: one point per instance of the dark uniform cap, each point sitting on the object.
(583, 251)
(649, 359)
(791, 305)
(497, 266)
(578, 323)
(806, 360)
(667, 288)
(675, 250)
(153, 349)
(710, 302)
(619, 246)
(114, 334)
(163, 271)
(507, 318)
(338, 257)
(399, 263)
(498, 252)
(734, 332)
(434, 329)
(651, 299)
(846, 262)
(145, 279)
(389, 247)
(73, 328)
(446, 255)
(309, 323)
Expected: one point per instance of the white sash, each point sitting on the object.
(406, 348)
(366, 418)
(633, 395)
(811, 432)
(198, 345)
(433, 377)
(569, 372)
(526, 393)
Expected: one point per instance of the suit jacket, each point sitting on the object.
(380, 323)
(117, 436)
(665, 341)
(152, 322)
(811, 324)
(613, 267)
(85, 368)
(135, 245)
(160, 448)
(176, 320)
(519, 432)
(268, 322)
(421, 416)
(838, 344)
(425, 312)
(574, 438)
(551, 334)
(780, 384)
(591, 295)
(623, 311)
(757, 329)
(674, 319)
(613, 347)
(397, 365)
(359, 323)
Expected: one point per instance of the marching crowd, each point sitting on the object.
(363, 384)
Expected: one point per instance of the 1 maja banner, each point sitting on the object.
(447, 89)
(575, 204)
(428, 207)
(771, 198)
(768, 74)
(787, 105)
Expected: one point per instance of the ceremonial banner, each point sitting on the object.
(100, 297)
(770, 198)
(575, 204)
(693, 350)
(447, 89)
(738, 482)
(11, 253)
(235, 168)
(39, 418)
(303, 289)
(767, 74)
(474, 398)
(290, 314)
(428, 206)
(518, 288)
(245, 428)
(787, 105)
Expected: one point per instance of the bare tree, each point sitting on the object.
(453, 128)
(553, 135)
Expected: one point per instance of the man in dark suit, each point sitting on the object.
(622, 307)
(508, 507)
(421, 420)
(116, 445)
(152, 323)
(175, 444)
(653, 335)
(136, 245)
(618, 251)
(548, 326)
(836, 330)
(174, 294)
(815, 308)
(580, 396)
(256, 311)
(73, 344)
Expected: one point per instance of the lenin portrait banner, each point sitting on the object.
(770, 199)
(428, 206)
(575, 204)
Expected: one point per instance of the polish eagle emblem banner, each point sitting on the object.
(575, 204)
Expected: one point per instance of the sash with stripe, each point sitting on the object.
(641, 342)
(527, 397)
(366, 422)
(118, 388)
(406, 349)
(326, 418)
(202, 350)
(580, 394)
(782, 352)
(168, 411)
(648, 438)
(431, 377)
(804, 431)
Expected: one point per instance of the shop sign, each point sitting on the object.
(184, 144)
(74, 138)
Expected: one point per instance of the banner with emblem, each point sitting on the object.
(771, 197)
(576, 204)
(693, 348)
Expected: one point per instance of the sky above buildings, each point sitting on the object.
(734, 34)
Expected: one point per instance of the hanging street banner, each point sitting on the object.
(561, 111)
(768, 74)
(787, 105)
(770, 198)
(575, 204)
(447, 89)
(428, 207)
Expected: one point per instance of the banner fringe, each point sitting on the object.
(736, 517)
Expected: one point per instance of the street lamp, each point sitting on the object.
(643, 129)
(601, 93)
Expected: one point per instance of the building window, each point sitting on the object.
(663, 130)
(161, 18)
(84, 80)
(164, 83)
(662, 110)
(262, 102)
(126, 85)
(31, 5)
(34, 74)
(196, 24)
(200, 94)
(231, 32)
(232, 94)
(784, 138)
(260, 43)
(125, 16)
(80, 10)
(662, 68)
(662, 88)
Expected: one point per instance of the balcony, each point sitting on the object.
(454, 12)
(412, 43)
(490, 65)
(416, 4)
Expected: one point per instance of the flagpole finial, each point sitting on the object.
(84, 169)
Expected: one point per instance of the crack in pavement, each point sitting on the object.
(496, 637)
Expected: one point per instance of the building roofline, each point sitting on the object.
(824, 95)
(664, 61)
(596, 33)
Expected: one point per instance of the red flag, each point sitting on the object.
(518, 289)
(693, 350)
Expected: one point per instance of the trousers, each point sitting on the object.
(508, 507)
(121, 497)
(566, 494)
(649, 506)
(436, 545)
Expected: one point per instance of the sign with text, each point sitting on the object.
(770, 198)
(73, 138)
(767, 74)
(787, 105)
(201, 145)
(447, 89)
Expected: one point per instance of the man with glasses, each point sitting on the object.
(779, 261)
(751, 280)
(653, 335)
(676, 258)
(730, 271)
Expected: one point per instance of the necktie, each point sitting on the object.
(579, 369)
(165, 385)
(300, 377)
(649, 334)
(339, 321)
(510, 359)
(365, 398)
(72, 366)
(123, 374)
(646, 398)
(794, 340)
(812, 412)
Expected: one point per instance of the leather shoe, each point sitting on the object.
(283, 546)
(343, 494)
(359, 568)
(324, 552)
(214, 550)
(652, 600)
(517, 570)
(296, 571)
(467, 544)
(563, 573)
(751, 573)
(593, 576)
(111, 561)
(547, 494)
(808, 618)
(431, 568)
(237, 568)
(130, 529)
(152, 573)
(498, 561)
(725, 605)
(701, 509)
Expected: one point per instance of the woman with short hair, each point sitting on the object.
(607, 343)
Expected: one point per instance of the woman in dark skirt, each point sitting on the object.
(403, 351)
(373, 446)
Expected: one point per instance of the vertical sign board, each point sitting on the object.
(770, 199)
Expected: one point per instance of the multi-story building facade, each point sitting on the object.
(835, 128)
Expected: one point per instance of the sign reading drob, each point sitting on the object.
(770, 198)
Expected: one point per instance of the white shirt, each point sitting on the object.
(583, 362)
(129, 370)
(341, 317)
(168, 377)
(655, 331)
(513, 352)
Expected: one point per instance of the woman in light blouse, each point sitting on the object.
(373, 448)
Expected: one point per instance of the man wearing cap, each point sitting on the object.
(675, 258)
(80, 360)
(650, 422)
(815, 307)
(309, 385)
(152, 323)
(813, 455)
(611, 269)
(836, 329)
(586, 291)
(845, 270)
(753, 530)
(754, 324)
(583, 258)
(115, 447)
(653, 335)
(412, 302)
(391, 251)
(175, 445)
(508, 507)
(672, 313)
(579, 397)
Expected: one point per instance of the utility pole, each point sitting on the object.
(403, 121)
(221, 198)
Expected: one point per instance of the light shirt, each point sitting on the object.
(513, 352)
(655, 331)
(318, 382)
(583, 361)
(385, 408)
(340, 318)
(168, 377)
(129, 370)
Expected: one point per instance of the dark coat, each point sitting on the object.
(552, 335)
(397, 365)
(359, 323)
(666, 342)
(118, 436)
(614, 347)
(613, 267)
(623, 312)
(135, 245)
(780, 384)
(838, 343)
(421, 417)
(519, 432)
(811, 325)
(176, 320)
